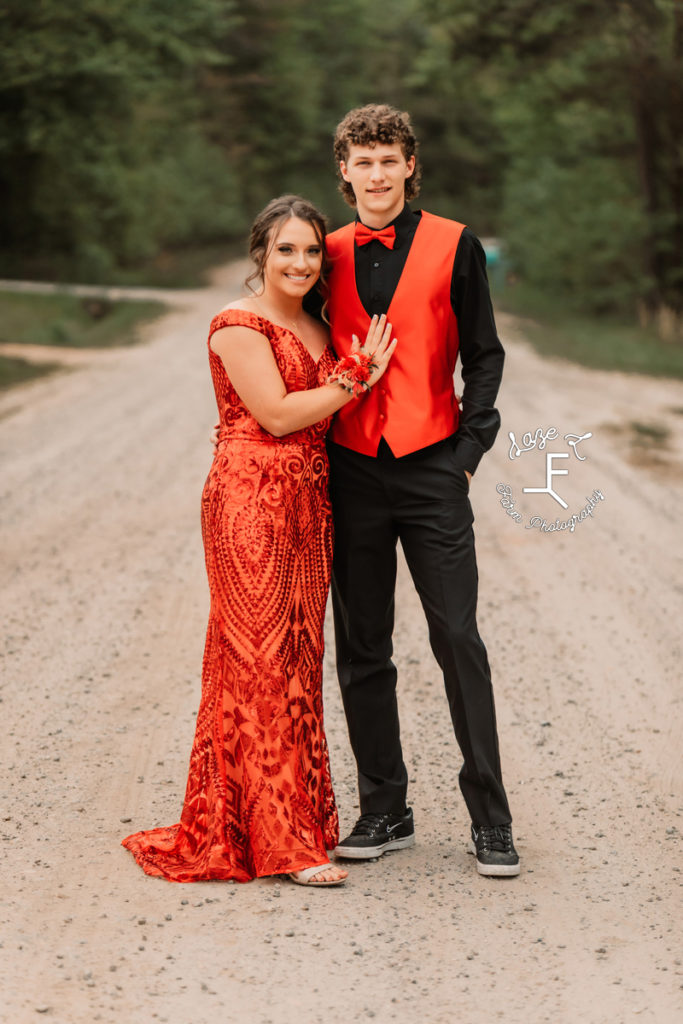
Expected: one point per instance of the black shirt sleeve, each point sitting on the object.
(481, 352)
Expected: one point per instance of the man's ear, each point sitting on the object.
(342, 168)
(410, 166)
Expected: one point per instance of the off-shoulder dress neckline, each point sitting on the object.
(281, 327)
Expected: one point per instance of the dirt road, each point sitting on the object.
(104, 605)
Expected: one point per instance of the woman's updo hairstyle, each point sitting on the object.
(266, 228)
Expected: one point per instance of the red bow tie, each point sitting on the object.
(387, 236)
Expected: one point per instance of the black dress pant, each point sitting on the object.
(423, 501)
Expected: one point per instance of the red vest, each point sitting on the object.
(413, 405)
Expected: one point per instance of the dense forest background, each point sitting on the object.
(134, 128)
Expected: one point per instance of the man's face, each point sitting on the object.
(377, 175)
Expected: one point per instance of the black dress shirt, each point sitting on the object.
(378, 271)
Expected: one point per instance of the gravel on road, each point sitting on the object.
(104, 604)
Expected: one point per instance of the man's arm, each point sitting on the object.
(481, 353)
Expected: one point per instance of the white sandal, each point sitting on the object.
(308, 875)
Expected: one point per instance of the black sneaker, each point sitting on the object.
(374, 834)
(494, 850)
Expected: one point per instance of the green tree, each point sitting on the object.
(587, 98)
(102, 157)
(145, 124)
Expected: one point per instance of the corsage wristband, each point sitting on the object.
(353, 372)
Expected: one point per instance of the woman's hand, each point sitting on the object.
(378, 345)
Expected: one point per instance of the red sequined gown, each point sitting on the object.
(259, 797)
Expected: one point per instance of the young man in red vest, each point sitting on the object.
(401, 458)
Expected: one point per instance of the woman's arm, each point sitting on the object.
(250, 364)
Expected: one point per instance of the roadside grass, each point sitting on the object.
(66, 320)
(185, 267)
(188, 267)
(16, 371)
(603, 343)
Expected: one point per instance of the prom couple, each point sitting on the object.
(355, 423)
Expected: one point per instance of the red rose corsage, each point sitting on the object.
(353, 372)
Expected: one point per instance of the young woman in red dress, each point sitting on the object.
(259, 797)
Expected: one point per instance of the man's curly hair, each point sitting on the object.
(370, 125)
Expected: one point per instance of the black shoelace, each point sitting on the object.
(368, 824)
(496, 837)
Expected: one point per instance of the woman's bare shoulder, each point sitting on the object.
(234, 333)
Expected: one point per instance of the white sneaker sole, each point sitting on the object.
(373, 852)
(495, 870)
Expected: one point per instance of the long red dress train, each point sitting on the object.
(259, 797)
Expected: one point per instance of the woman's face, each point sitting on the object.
(294, 260)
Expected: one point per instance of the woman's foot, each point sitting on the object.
(320, 875)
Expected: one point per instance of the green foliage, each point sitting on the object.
(275, 105)
(140, 126)
(16, 371)
(588, 101)
(571, 211)
(65, 320)
(100, 157)
(555, 328)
